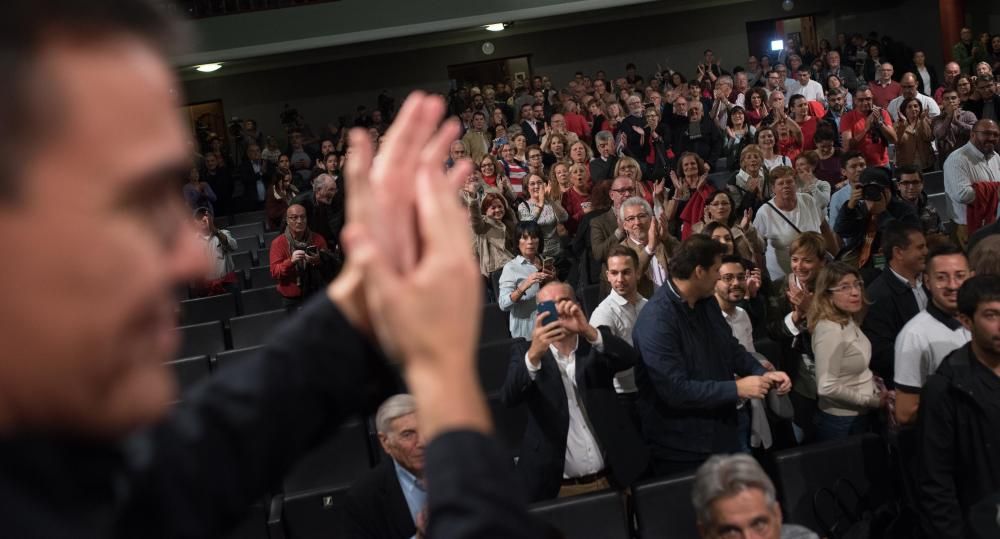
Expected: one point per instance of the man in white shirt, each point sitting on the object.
(908, 84)
(975, 162)
(730, 289)
(578, 439)
(618, 312)
(932, 334)
(806, 87)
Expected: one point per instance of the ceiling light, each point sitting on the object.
(496, 27)
(208, 68)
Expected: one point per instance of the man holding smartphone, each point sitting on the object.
(589, 443)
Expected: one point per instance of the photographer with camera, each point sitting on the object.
(872, 206)
(300, 259)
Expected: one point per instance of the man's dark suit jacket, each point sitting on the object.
(375, 507)
(249, 179)
(234, 437)
(893, 305)
(976, 107)
(325, 220)
(530, 137)
(543, 450)
(601, 169)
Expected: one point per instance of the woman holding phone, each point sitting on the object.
(521, 279)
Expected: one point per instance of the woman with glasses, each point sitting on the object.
(535, 161)
(847, 390)
(963, 85)
(788, 302)
(742, 235)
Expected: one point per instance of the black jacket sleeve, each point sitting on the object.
(940, 513)
(474, 493)
(236, 435)
(518, 382)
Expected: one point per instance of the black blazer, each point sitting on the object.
(375, 507)
(530, 137)
(543, 450)
(893, 305)
(976, 107)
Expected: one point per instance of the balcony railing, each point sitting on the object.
(199, 9)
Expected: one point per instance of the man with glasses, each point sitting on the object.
(987, 107)
(868, 129)
(632, 128)
(884, 89)
(908, 85)
(652, 245)
(976, 162)
(932, 334)
(910, 184)
(951, 72)
(607, 230)
(953, 126)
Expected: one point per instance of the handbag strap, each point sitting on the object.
(787, 220)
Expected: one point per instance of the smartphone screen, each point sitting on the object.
(548, 307)
(548, 265)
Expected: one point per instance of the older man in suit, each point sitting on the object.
(385, 503)
(607, 230)
(653, 246)
(579, 438)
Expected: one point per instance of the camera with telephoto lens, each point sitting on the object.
(312, 250)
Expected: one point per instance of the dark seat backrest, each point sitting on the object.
(247, 230)
(312, 514)
(196, 311)
(250, 217)
(259, 300)
(261, 276)
(243, 259)
(201, 339)
(249, 243)
(601, 514)
(254, 329)
(495, 324)
(934, 182)
(337, 462)
(493, 361)
(663, 508)
(509, 423)
(231, 357)
(801, 471)
(190, 369)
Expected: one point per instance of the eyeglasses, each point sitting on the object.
(634, 218)
(943, 281)
(623, 190)
(847, 288)
(720, 204)
(729, 277)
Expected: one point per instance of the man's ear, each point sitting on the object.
(965, 320)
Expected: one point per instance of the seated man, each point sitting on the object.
(687, 394)
(910, 184)
(296, 261)
(931, 335)
(385, 502)
(578, 438)
(959, 406)
(732, 496)
(618, 312)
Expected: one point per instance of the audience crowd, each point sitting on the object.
(760, 261)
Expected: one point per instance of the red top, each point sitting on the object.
(572, 202)
(282, 268)
(694, 210)
(790, 148)
(808, 132)
(882, 95)
(577, 124)
(876, 153)
(490, 180)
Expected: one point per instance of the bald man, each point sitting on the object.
(908, 85)
(973, 163)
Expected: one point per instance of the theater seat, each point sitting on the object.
(247, 230)
(230, 357)
(801, 471)
(493, 360)
(254, 329)
(259, 300)
(190, 369)
(495, 324)
(261, 276)
(663, 508)
(312, 514)
(196, 311)
(201, 339)
(263, 256)
(242, 259)
(249, 217)
(509, 423)
(251, 243)
(253, 525)
(601, 514)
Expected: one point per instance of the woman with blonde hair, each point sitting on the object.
(493, 225)
(576, 199)
(847, 390)
(626, 166)
(555, 149)
(750, 185)
(559, 181)
(580, 153)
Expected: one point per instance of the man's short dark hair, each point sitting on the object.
(897, 234)
(621, 250)
(977, 290)
(908, 169)
(734, 259)
(848, 155)
(27, 112)
(943, 249)
(698, 250)
(478, 113)
(825, 133)
(862, 88)
(531, 229)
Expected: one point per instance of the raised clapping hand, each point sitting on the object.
(399, 239)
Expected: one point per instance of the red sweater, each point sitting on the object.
(282, 268)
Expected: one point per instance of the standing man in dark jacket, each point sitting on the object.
(92, 442)
(959, 419)
(324, 208)
(700, 135)
(579, 438)
(687, 394)
(897, 294)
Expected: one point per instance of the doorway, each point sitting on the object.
(512, 70)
